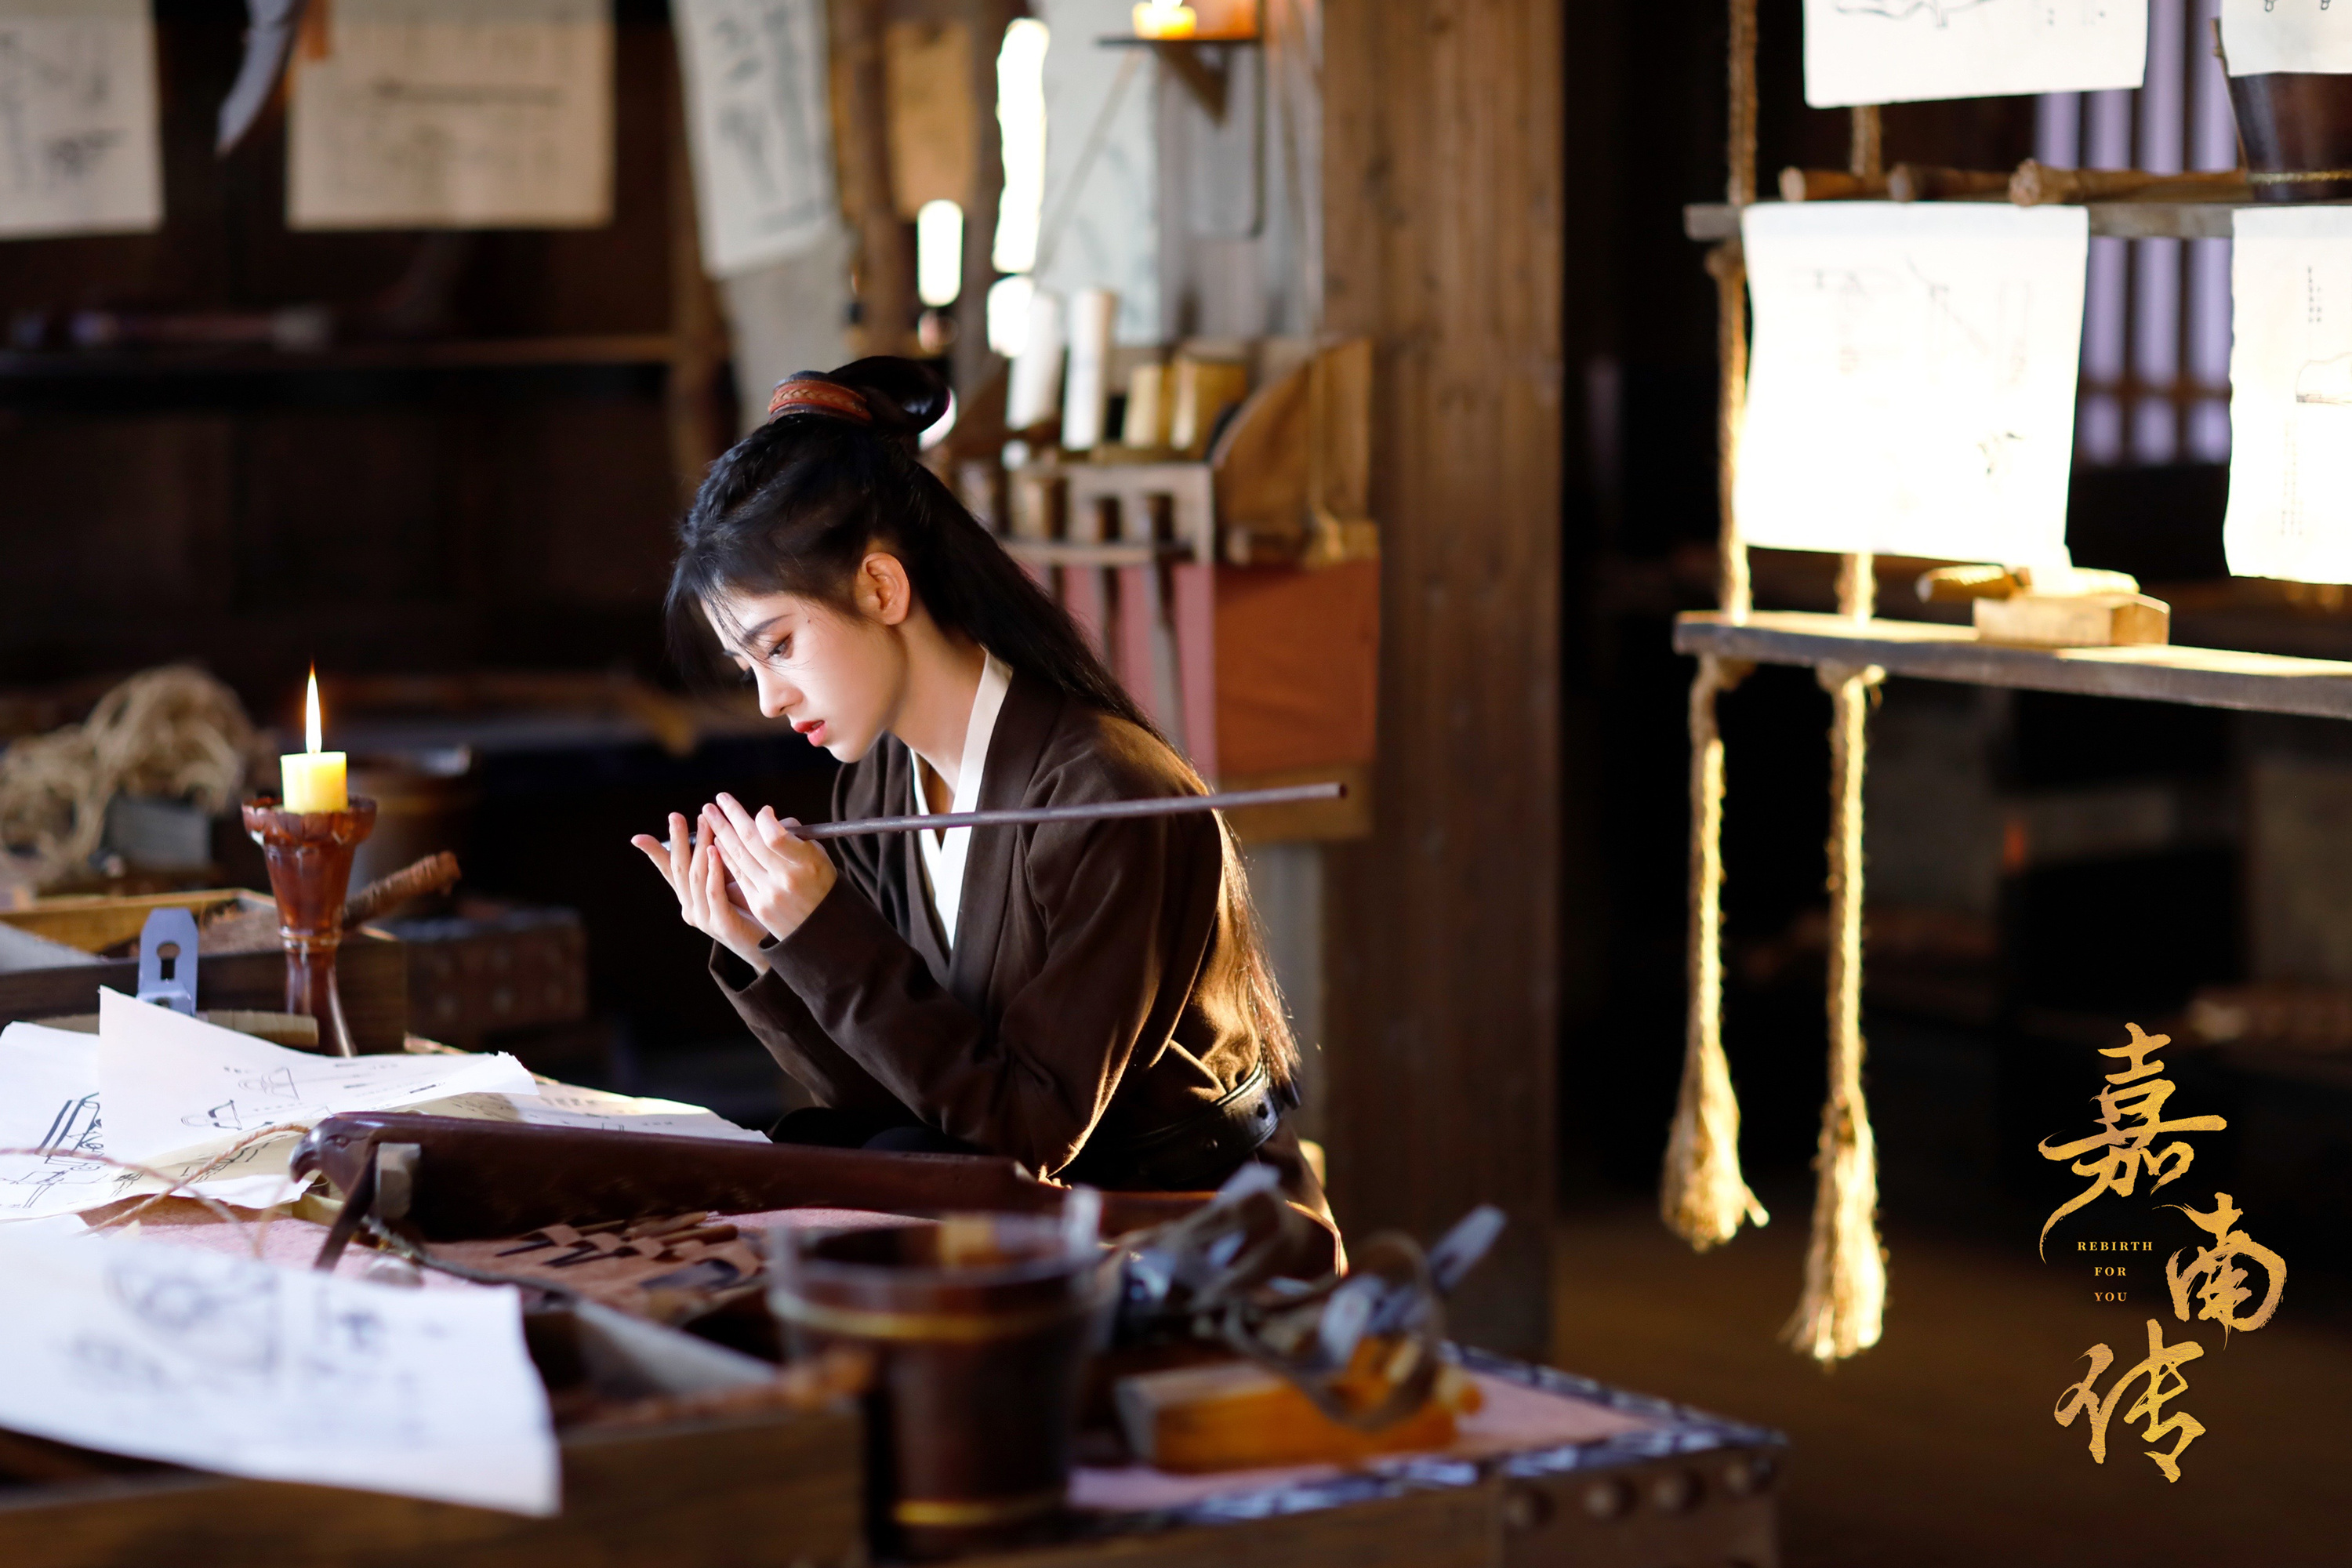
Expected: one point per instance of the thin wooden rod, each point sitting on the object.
(1159, 805)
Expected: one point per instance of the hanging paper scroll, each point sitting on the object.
(761, 124)
(454, 115)
(79, 148)
(2291, 395)
(1912, 389)
(1899, 51)
(2260, 36)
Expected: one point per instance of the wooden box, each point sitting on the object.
(372, 971)
(770, 1490)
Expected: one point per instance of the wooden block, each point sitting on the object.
(2090, 620)
(1236, 1416)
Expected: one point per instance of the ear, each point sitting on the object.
(885, 591)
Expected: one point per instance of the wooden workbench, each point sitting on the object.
(787, 1489)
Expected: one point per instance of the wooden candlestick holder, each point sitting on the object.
(309, 858)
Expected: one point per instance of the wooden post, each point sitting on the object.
(861, 119)
(692, 400)
(1444, 145)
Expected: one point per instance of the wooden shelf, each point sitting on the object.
(1080, 553)
(2199, 676)
(500, 354)
(2115, 220)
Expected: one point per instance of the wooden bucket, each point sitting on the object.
(2296, 130)
(980, 1327)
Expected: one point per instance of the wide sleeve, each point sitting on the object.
(1125, 911)
(778, 1018)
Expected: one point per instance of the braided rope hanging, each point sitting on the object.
(1701, 1194)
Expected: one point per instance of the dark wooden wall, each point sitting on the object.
(1443, 148)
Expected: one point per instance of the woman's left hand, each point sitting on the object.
(782, 879)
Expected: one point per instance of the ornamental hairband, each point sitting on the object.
(815, 394)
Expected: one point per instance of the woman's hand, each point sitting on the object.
(697, 875)
(782, 879)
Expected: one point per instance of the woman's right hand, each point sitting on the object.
(698, 877)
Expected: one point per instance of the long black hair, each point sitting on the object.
(797, 504)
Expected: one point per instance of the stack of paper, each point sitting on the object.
(178, 1095)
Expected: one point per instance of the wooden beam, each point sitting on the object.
(1711, 221)
(2199, 676)
(1443, 149)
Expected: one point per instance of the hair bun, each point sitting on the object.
(906, 396)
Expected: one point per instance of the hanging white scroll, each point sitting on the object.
(1912, 385)
(1899, 51)
(2260, 36)
(454, 115)
(78, 147)
(761, 124)
(2291, 395)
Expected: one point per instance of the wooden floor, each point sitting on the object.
(1938, 1446)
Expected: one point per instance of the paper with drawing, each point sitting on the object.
(454, 113)
(2261, 37)
(79, 152)
(49, 1100)
(1898, 51)
(2291, 395)
(1912, 389)
(171, 1084)
(204, 1359)
(760, 128)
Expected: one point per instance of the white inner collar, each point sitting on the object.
(944, 853)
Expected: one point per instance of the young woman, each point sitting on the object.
(1088, 997)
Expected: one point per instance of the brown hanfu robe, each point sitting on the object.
(1093, 1020)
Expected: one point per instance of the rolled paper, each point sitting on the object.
(314, 782)
(1085, 395)
(1035, 392)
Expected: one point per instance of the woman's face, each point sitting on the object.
(838, 677)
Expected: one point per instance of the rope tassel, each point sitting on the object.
(1703, 1196)
(1843, 1305)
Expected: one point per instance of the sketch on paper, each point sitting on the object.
(1899, 51)
(1912, 389)
(2291, 395)
(454, 113)
(230, 1364)
(79, 145)
(760, 128)
(173, 1086)
(2262, 37)
(1898, 10)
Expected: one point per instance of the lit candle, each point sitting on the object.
(313, 778)
(1162, 19)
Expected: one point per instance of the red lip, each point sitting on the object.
(809, 726)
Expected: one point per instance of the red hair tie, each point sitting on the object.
(817, 395)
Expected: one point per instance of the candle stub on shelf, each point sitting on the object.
(313, 779)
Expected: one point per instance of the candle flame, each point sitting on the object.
(310, 712)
